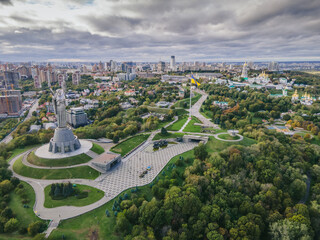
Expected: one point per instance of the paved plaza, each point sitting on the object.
(126, 175)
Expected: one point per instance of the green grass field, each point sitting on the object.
(226, 136)
(206, 113)
(215, 145)
(178, 124)
(18, 151)
(97, 148)
(158, 136)
(191, 127)
(62, 162)
(94, 195)
(24, 215)
(126, 146)
(81, 227)
(84, 172)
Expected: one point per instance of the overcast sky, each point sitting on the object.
(152, 30)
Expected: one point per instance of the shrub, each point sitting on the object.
(82, 195)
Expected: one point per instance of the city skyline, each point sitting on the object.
(87, 31)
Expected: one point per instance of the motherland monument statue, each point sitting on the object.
(64, 140)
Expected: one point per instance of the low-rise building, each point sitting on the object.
(222, 105)
(163, 104)
(106, 161)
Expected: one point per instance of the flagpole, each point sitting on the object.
(190, 99)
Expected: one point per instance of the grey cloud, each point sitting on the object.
(189, 29)
(6, 2)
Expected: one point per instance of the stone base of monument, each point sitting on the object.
(43, 151)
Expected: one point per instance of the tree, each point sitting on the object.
(36, 227)
(201, 152)
(115, 139)
(286, 117)
(122, 224)
(12, 225)
(307, 137)
(297, 189)
(5, 187)
(164, 131)
(286, 229)
(7, 213)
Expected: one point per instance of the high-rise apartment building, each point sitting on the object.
(9, 79)
(173, 63)
(161, 66)
(10, 102)
(76, 78)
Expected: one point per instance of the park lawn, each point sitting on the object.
(80, 227)
(178, 124)
(129, 144)
(206, 113)
(18, 151)
(84, 172)
(24, 215)
(94, 195)
(215, 145)
(164, 123)
(191, 127)
(159, 136)
(61, 162)
(227, 136)
(97, 148)
(180, 111)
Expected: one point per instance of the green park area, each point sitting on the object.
(159, 136)
(22, 201)
(18, 151)
(82, 195)
(84, 172)
(227, 136)
(176, 126)
(97, 148)
(129, 144)
(215, 145)
(206, 113)
(191, 127)
(97, 222)
(60, 162)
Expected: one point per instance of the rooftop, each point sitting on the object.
(106, 157)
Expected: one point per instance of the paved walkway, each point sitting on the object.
(226, 140)
(195, 110)
(184, 125)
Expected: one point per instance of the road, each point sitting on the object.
(195, 110)
(9, 137)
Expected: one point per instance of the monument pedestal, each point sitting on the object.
(64, 141)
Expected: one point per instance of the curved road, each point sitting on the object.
(8, 138)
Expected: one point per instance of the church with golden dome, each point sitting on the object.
(306, 99)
